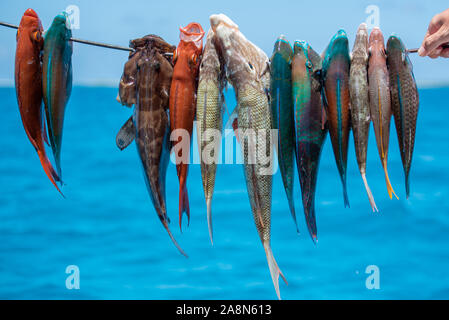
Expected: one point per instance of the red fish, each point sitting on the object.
(28, 81)
(183, 89)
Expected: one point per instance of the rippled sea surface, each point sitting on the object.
(108, 228)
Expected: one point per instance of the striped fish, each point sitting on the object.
(405, 101)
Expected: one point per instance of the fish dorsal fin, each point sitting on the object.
(126, 134)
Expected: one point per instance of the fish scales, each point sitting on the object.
(360, 105)
(28, 84)
(57, 80)
(247, 69)
(336, 67)
(309, 131)
(405, 101)
(380, 101)
(146, 83)
(282, 114)
(209, 117)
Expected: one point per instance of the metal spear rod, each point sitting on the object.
(92, 43)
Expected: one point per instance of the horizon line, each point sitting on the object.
(112, 83)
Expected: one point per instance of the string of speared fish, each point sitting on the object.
(111, 46)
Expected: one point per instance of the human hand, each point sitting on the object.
(436, 37)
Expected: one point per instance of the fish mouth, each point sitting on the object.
(300, 45)
(376, 35)
(63, 18)
(394, 42)
(341, 34)
(193, 32)
(31, 13)
(340, 40)
(221, 19)
(363, 26)
(282, 46)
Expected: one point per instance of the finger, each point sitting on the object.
(434, 40)
(435, 53)
(444, 53)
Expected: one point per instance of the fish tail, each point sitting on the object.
(274, 268)
(49, 170)
(387, 180)
(345, 190)
(407, 186)
(369, 193)
(183, 205)
(291, 205)
(164, 222)
(309, 211)
(209, 219)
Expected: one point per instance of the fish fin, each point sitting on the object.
(369, 193)
(165, 223)
(126, 134)
(387, 180)
(49, 171)
(291, 205)
(311, 222)
(345, 191)
(323, 117)
(324, 105)
(209, 219)
(267, 69)
(407, 186)
(183, 205)
(44, 130)
(274, 268)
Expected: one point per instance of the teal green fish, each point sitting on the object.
(336, 98)
(404, 101)
(57, 80)
(282, 112)
(309, 132)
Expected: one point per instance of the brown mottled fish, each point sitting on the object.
(146, 83)
(380, 103)
(209, 118)
(360, 109)
(247, 69)
(405, 101)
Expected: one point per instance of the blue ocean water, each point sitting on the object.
(108, 228)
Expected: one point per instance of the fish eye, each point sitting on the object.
(250, 65)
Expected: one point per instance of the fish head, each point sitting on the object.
(338, 46)
(61, 24)
(282, 49)
(32, 26)
(301, 64)
(245, 63)
(376, 38)
(190, 48)
(396, 49)
(360, 49)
